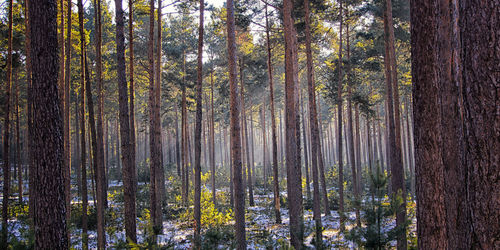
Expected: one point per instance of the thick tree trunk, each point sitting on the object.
(294, 187)
(47, 129)
(239, 202)
(479, 33)
(197, 135)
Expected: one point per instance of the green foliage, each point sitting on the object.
(377, 216)
(76, 216)
(216, 235)
(210, 216)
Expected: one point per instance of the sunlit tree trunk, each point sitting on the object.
(239, 201)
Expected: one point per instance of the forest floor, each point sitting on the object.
(262, 231)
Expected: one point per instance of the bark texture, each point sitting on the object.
(239, 201)
(50, 212)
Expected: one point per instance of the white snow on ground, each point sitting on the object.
(261, 229)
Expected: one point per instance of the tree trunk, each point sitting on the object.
(154, 123)
(197, 135)
(27, 44)
(177, 150)
(160, 171)
(264, 145)
(101, 237)
(131, 99)
(100, 102)
(480, 49)
(397, 175)
(306, 151)
(18, 146)
(352, 154)
(239, 202)
(128, 170)
(47, 129)
(212, 138)
(83, 159)
(339, 129)
(6, 151)
(83, 148)
(314, 132)
(66, 122)
(294, 187)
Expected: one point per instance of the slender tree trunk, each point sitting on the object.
(306, 151)
(197, 134)
(83, 148)
(27, 44)
(60, 80)
(247, 149)
(239, 202)
(66, 122)
(101, 237)
(397, 175)
(264, 145)
(47, 129)
(314, 132)
(131, 95)
(358, 148)
(160, 171)
(128, 170)
(212, 138)
(6, 151)
(100, 102)
(177, 151)
(18, 146)
(339, 130)
(352, 156)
